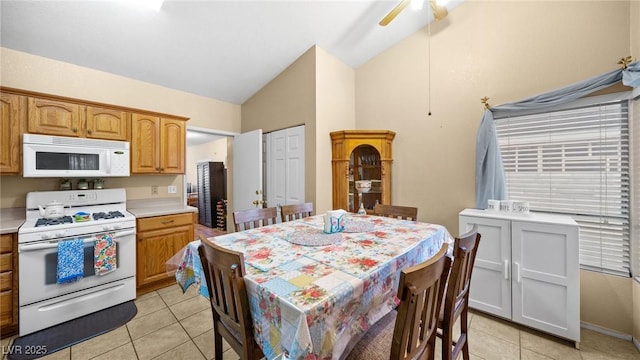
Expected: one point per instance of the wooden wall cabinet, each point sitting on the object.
(361, 155)
(107, 124)
(53, 117)
(13, 114)
(526, 269)
(8, 284)
(157, 145)
(62, 118)
(158, 239)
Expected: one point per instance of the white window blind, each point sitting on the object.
(575, 161)
(635, 176)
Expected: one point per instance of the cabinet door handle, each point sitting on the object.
(168, 222)
(518, 278)
(506, 269)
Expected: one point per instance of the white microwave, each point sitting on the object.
(58, 156)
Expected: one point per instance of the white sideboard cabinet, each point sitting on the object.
(526, 269)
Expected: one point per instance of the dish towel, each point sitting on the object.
(104, 254)
(70, 261)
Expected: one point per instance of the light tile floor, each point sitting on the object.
(171, 325)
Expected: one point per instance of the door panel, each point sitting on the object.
(247, 169)
(491, 280)
(295, 165)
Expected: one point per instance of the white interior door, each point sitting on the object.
(294, 160)
(286, 166)
(247, 170)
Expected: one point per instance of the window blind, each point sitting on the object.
(575, 161)
(635, 194)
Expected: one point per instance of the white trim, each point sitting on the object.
(636, 342)
(605, 331)
(211, 131)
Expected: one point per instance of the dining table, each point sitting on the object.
(312, 293)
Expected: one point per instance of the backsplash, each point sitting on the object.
(14, 189)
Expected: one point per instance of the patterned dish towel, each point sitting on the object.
(104, 254)
(70, 261)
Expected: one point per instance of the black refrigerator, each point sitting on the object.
(212, 191)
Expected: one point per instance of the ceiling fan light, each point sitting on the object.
(417, 5)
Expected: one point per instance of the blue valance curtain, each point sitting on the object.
(490, 181)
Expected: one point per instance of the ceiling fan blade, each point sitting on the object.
(439, 12)
(393, 13)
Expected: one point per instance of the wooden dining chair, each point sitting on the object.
(253, 218)
(295, 211)
(224, 272)
(409, 332)
(456, 300)
(396, 211)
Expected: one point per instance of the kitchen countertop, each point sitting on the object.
(157, 207)
(11, 219)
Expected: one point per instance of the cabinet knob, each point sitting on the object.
(89, 131)
(75, 130)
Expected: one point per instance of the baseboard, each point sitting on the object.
(636, 342)
(609, 332)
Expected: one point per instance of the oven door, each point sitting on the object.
(38, 266)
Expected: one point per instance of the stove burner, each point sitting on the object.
(46, 222)
(109, 215)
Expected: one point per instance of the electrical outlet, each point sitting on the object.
(154, 190)
(171, 189)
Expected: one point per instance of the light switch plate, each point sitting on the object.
(171, 189)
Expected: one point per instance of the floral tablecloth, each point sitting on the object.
(307, 302)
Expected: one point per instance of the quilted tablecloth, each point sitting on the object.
(309, 301)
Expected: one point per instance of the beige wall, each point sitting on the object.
(211, 151)
(286, 101)
(335, 110)
(28, 72)
(636, 312)
(506, 50)
(317, 90)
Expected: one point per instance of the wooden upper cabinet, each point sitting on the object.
(53, 117)
(361, 155)
(108, 124)
(172, 146)
(157, 145)
(13, 114)
(145, 144)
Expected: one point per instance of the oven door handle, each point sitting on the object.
(51, 245)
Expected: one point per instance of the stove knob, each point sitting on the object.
(107, 228)
(61, 233)
(117, 226)
(46, 235)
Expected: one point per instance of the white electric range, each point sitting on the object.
(43, 301)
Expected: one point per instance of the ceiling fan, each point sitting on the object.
(439, 11)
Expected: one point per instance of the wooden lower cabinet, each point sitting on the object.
(158, 239)
(8, 285)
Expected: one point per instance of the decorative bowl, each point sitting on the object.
(363, 186)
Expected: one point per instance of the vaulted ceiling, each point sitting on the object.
(225, 50)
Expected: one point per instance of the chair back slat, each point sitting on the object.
(224, 273)
(421, 291)
(253, 218)
(295, 211)
(396, 211)
(456, 301)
